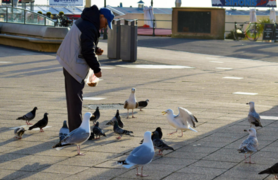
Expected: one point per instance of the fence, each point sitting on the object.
(22, 16)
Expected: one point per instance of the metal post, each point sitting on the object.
(6, 14)
(105, 29)
(153, 27)
(255, 31)
(45, 21)
(24, 16)
(235, 34)
(151, 3)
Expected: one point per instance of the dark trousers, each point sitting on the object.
(74, 96)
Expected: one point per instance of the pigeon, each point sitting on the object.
(141, 155)
(41, 123)
(272, 170)
(29, 116)
(117, 118)
(142, 104)
(253, 117)
(158, 130)
(19, 132)
(183, 121)
(249, 145)
(97, 131)
(159, 144)
(120, 131)
(64, 131)
(95, 116)
(79, 135)
(131, 103)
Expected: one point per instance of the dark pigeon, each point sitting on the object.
(120, 131)
(142, 104)
(29, 116)
(64, 131)
(95, 116)
(272, 170)
(158, 130)
(41, 123)
(19, 132)
(116, 118)
(97, 131)
(159, 144)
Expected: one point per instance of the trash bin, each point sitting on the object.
(129, 41)
(114, 40)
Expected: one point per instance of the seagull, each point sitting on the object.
(183, 121)
(140, 156)
(120, 131)
(79, 135)
(249, 145)
(117, 118)
(142, 104)
(41, 123)
(131, 103)
(158, 131)
(253, 117)
(95, 116)
(64, 131)
(97, 131)
(159, 144)
(29, 116)
(272, 170)
(19, 132)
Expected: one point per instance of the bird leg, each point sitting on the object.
(78, 151)
(245, 158)
(140, 109)
(250, 162)
(127, 113)
(132, 114)
(181, 133)
(137, 174)
(142, 175)
(173, 132)
(41, 130)
(119, 137)
(276, 177)
(160, 153)
(28, 123)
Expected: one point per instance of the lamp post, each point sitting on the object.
(105, 29)
(151, 3)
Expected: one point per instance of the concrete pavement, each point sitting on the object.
(35, 79)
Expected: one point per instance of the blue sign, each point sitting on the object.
(66, 2)
(245, 3)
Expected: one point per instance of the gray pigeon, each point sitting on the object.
(159, 144)
(64, 131)
(79, 135)
(120, 131)
(272, 170)
(253, 117)
(41, 123)
(95, 116)
(117, 118)
(29, 116)
(97, 131)
(142, 104)
(249, 145)
(19, 132)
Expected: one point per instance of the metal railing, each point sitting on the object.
(22, 16)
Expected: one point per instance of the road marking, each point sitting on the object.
(93, 98)
(216, 62)
(223, 68)
(245, 93)
(228, 77)
(269, 117)
(5, 62)
(156, 66)
(107, 67)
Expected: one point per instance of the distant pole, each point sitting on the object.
(151, 3)
(105, 29)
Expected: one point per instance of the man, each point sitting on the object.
(78, 53)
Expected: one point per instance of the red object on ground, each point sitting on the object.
(146, 26)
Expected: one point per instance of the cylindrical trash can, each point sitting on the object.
(129, 41)
(114, 40)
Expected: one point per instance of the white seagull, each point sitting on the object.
(183, 121)
(131, 102)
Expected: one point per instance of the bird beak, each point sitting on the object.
(245, 130)
(164, 112)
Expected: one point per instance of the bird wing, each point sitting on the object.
(119, 130)
(142, 103)
(254, 118)
(29, 115)
(140, 155)
(76, 136)
(186, 117)
(126, 104)
(136, 105)
(249, 145)
(274, 169)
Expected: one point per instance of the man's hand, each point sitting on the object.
(99, 51)
(98, 74)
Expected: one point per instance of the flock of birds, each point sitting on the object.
(144, 153)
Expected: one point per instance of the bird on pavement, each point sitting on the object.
(141, 155)
(131, 103)
(29, 116)
(157, 130)
(142, 104)
(97, 131)
(250, 145)
(159, 144)
(117, 118)
(19, 132)
(95, 116)
(253, 117)
(79, 135)
(41, 123)
(185, 120)
(120, 131)
(272, 170)
(64, 131)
